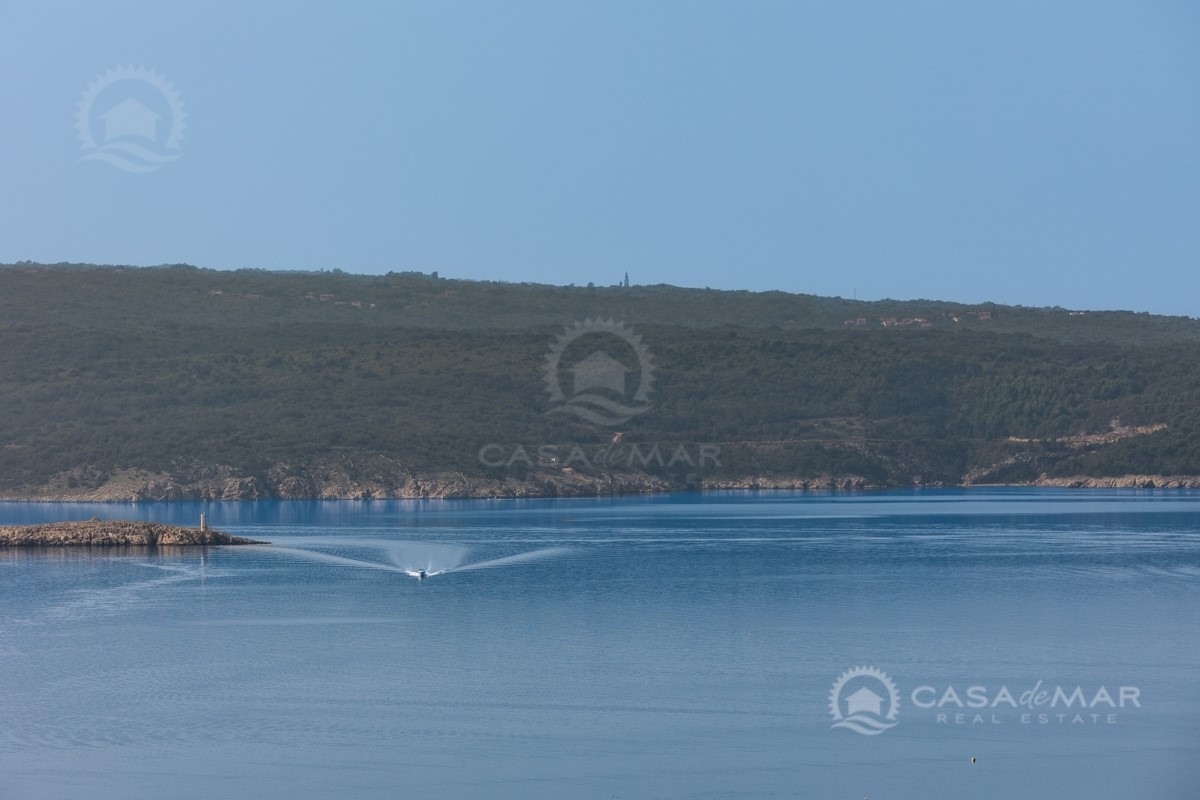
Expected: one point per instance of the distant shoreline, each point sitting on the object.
(459, 487)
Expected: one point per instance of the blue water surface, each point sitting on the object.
(682, 646)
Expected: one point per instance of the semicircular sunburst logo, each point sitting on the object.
(599, 371)
(865, 700)
(131, 118)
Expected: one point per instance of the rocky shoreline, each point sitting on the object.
(113, 533)
(1122, 482)
(384, 482)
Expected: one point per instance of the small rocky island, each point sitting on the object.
(112, 533)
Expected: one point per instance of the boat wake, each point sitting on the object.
(421, 560)
(519, 558)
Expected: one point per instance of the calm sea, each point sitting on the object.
(924, 644)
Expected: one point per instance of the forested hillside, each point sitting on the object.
(177, 381)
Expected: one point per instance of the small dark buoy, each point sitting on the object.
(972, 759)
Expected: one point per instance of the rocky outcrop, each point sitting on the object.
(824, 483)
(112, 533)
(1122, 482)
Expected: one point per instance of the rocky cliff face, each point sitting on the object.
(377, 477)
(283, 484)
(1123, 482)
(364, 478)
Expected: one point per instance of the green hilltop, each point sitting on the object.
(176, 381)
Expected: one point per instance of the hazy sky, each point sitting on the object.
(1039, 153)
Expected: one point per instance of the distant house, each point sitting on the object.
(888, 322)
(985, 315)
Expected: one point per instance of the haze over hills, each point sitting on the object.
(120, 382)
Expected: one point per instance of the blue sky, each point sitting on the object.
(1038, 153)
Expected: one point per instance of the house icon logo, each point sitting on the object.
(132, 119)
(865, 700)
(599, 371)
(608, 369)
